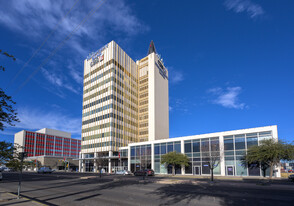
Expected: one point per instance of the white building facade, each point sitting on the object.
(232, 146)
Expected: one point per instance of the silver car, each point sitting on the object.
(123, 172)
(45, 170)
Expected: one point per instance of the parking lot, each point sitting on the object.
(89, 189)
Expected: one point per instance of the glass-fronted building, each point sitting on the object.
(226, 147)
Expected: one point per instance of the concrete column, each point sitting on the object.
(152, 156)
(109, 162)
(45, 144)
(183, 151)
(129, 158)
(35, 144)
(222, 156)
(82, 163)
(95, 162)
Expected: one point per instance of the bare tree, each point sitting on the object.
(101, 160)
(211, 155)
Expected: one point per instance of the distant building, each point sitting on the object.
(48, 142)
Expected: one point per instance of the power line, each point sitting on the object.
(34, 54)
(97, 6)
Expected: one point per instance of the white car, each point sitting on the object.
(123, 172)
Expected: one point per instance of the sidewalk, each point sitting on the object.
(7, 198)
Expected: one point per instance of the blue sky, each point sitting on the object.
(230, 62)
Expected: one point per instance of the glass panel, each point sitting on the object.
(253, 171)
(229, 153)
(170, 148)
(163, 148)
(188, 169)
(229, 158)
(148, 151)
(156, 156)
(196, 154)
(163, 169)
(228, 137)
(196, 146)
(241, 171)
(216, 170)
(205, 168)
(157, 167)
(138, 151)
(132, 151)
(229, 145)
(214, 144)
(156, 149)
(178, 147)
(204, 146)
(240, 152)
(188, 146)
(143, 150)
(239, 142)
(265, 135)
(251, 135)
(251, 141)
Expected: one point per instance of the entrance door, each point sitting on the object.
(230, 170)
(197, 170)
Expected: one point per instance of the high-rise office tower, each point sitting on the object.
(123, 102)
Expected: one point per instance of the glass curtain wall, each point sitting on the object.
(200, 153)
(140, 157)
(161, 149)
(235, 146)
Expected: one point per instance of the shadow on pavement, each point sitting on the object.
(220, 194)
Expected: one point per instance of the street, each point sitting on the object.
(89, 189)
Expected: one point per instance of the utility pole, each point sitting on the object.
(22, 155)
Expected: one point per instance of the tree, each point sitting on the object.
(211, 156)
(8, 55)
(175, 159)
(101, 161)
(6, 151)
(7, 113)
(269, 154)
(15, 164)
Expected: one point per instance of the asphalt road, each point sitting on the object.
(88, 189)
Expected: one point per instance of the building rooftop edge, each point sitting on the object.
(205, 135)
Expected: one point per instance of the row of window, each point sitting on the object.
(110, 106)
(112, 61)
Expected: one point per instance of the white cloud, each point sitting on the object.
(175, 76)
(34, 119)
(58, 81)
(239, 6)
(227, 97)
(35, 19)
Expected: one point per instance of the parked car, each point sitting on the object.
(291, 177)
(146, 172)
(1, 177)
(5, 169)
(123, 172)
(45, 170)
